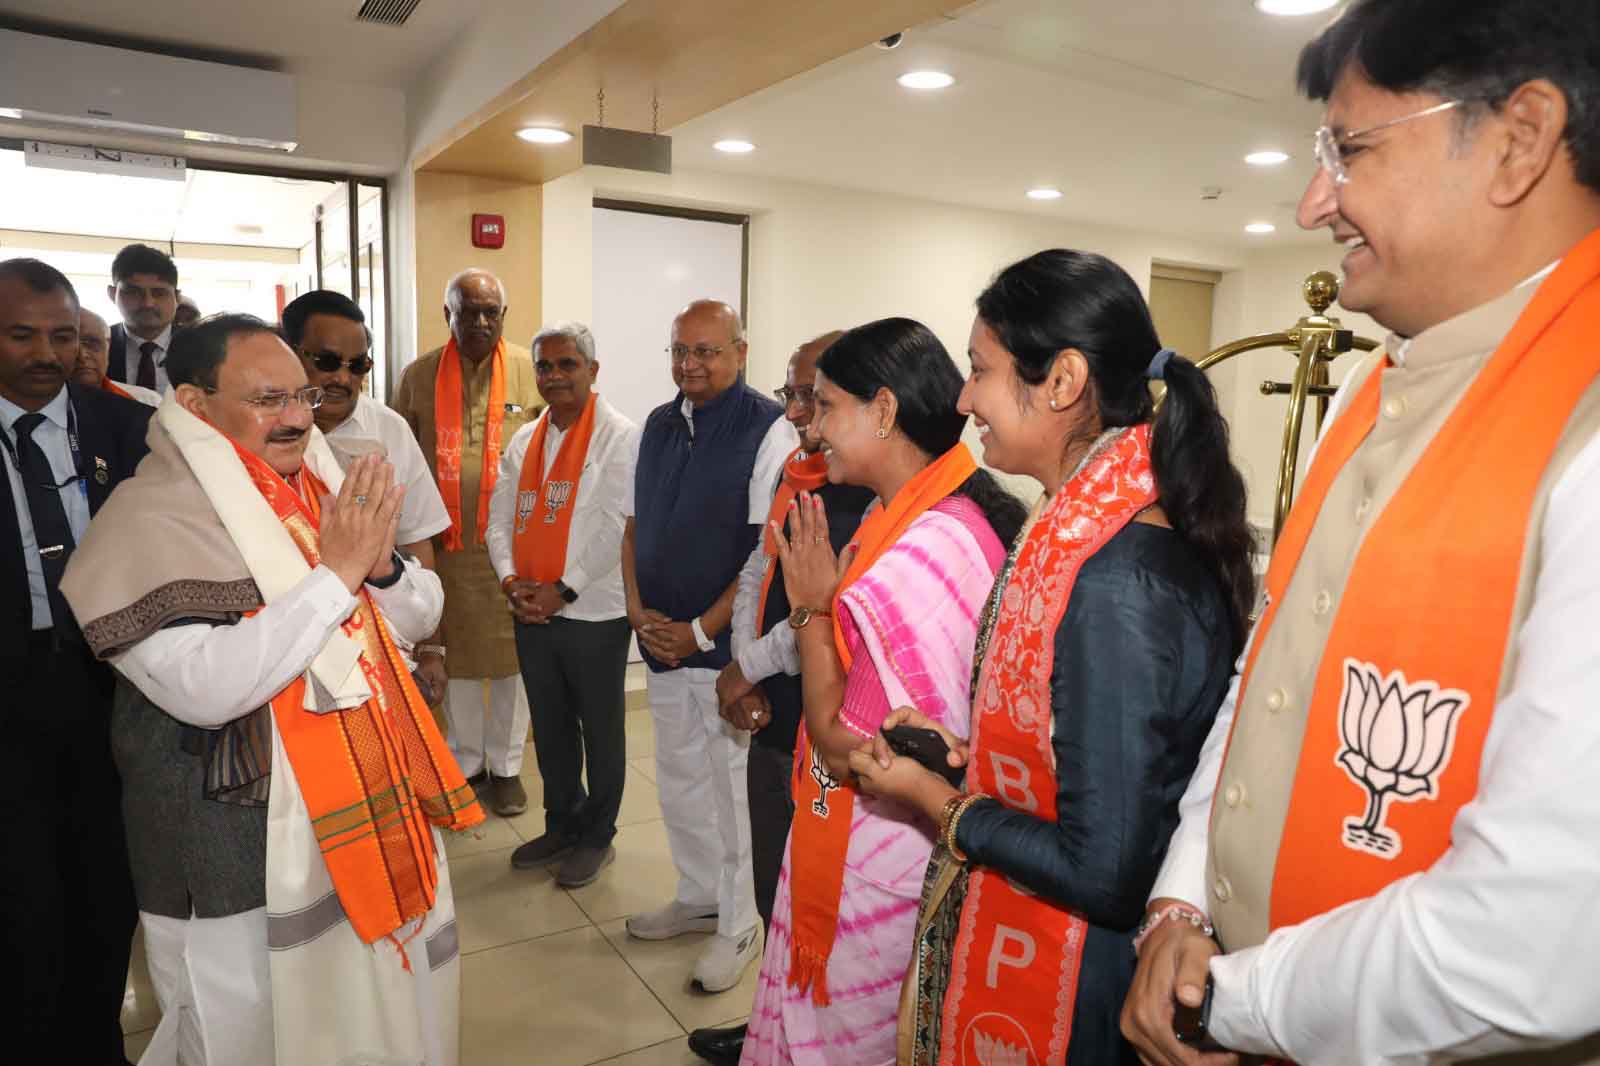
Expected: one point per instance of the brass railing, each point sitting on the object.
(1317, 340)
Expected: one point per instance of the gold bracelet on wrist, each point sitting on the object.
(955, 821)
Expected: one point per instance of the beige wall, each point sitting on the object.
(444, 206)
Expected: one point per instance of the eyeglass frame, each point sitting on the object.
(278, 403)
(1326, 145)
(703, 354)
(786, 395)
(340, 363)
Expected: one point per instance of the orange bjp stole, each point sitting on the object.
(376, 777)
(448, 437)
(539, 545)
(802, 473)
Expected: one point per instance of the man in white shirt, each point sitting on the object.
(144, 286)
(283, 781)
(90, 369)
(1391, 827)
(554, 539)
(329, 332)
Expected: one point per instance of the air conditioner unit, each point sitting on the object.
(61, 82)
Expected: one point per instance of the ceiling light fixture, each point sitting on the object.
(1261, 227)
(927, 79)
(734, 147)
(1266, 159)
(1293, 7)
(544, 135)
(1044, 193)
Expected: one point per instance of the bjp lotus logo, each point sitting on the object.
(1397, 740)
(995, 1039)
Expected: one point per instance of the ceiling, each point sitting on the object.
(1129, 107)
(312, 37)
(207, 207)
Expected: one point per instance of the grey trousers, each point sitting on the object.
(573, 672)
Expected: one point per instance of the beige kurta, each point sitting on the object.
(477, 627)
(1257, 779)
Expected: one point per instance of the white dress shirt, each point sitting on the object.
(423, 514)
(51, 437)
(1499, 937)
(776, 651)
(780, 442)
(594, 541)
(131, 356)
(208, 675)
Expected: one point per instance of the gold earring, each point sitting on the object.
(882, 432)
(1052, 405)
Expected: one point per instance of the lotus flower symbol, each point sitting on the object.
(1397, 739)
(993, 1039)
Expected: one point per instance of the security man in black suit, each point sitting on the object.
(144, 286)
(67, 912)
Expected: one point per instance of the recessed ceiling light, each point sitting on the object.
(1294, 7)
(1044, 193)
(734, 147)
(1261, 227)
(544, 135)
(1266, 159)
(927, 79)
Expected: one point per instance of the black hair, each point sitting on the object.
(906, 358)
(1059, 299)
(39, 276)
(197, 352)
(143, 259)
(1478, 51)
(319, 302)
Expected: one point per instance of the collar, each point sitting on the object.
(1470, 333)
(357, 416)
(163, 340)
(54, 411)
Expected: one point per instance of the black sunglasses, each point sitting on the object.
(330, 362)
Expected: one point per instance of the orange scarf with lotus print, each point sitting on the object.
(1407, 683)
(448, 415)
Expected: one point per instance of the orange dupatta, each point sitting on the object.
(448, 412)
(374, 777)
(539, 549)
(112, 387)
(804, 472)
(821, 834)
(1407, 683)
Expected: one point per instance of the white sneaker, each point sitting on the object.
(725, 959)
(674, 919)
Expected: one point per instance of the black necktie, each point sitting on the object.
(51, 533)
(147, 365)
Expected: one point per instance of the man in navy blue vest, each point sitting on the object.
(707, 463)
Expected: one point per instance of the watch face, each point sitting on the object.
(799, 617)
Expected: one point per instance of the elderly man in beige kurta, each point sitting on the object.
(475, 641)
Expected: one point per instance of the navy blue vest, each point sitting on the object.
(692, 528)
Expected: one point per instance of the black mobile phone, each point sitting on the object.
(927, 747)
(1192, 1025)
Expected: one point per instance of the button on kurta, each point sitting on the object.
(1323, 603)
(1394, 406)
(1233, 795)
(1276, 699)
(1222, 890)
(1363, 508)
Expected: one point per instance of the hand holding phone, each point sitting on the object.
(927, 748)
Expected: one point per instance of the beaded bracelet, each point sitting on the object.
(1175, 910)
(961, 803)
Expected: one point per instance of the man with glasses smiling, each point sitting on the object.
(1391, 830)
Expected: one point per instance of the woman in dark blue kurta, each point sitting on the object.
(1147, 618)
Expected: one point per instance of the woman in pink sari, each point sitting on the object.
(892, 622)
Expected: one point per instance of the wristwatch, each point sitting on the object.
(704, 642)
(801, 615)
(567, 594)
(395, 575)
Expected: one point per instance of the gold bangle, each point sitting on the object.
(947, 812)
(955, 821)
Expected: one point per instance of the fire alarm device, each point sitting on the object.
(488, 231)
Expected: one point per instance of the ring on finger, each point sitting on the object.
(361, 499)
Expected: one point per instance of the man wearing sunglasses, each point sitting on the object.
(1391, 831)
(329, 332)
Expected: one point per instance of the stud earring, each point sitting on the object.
(1052, 405)
(882, 433)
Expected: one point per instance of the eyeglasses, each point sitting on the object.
(1331, 148)
(277, 402)
(330, 362)
(702, 353)
(805, 395)
(566, 364)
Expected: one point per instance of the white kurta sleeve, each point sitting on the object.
(208, 675)
(780, 442)
(601, 551)
(1492, 949)
(412, 606)
(499, 534)
(773, 653)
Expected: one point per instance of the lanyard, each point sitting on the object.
(78, 474)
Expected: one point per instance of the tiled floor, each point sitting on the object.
(550, 976)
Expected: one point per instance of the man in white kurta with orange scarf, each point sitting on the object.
(1393, 827)
(283, 780)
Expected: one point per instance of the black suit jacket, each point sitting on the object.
(110, 428)
(117, 354)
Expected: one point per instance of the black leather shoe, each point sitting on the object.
(719, 1046)
(541, 851)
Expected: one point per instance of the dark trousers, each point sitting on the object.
(573, 672)
(771, 812)
(67, 912)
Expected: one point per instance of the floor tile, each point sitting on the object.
(641, 730)
(643, 877)
(496, 905)
(492, 834)
(667, 1053)
(139, 1007)
(646, 765)
(665, 966)
(640, 803)
(562, 1000)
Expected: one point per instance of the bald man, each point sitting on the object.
(707, 463)
(94, 342)
(445, 396)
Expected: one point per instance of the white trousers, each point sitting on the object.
(211, 979)
(488, 737)
(700, 776)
